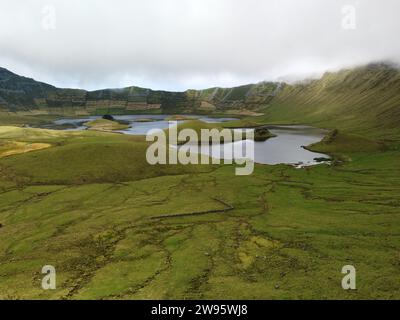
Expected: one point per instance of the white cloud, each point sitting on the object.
(180, 44)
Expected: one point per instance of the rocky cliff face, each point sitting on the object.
(18, 93)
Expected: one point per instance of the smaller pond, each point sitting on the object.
(137, 126)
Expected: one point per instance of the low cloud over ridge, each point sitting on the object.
(180, 44)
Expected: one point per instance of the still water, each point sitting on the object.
(286, 147)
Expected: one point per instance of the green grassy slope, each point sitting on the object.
(279, 233)
(117, 228)
(364, 99)
(105, 125)
(82, 157)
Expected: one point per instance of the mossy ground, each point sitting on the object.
(117, 228)
(105, 125)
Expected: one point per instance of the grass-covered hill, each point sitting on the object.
(364, 99)
(24, 94)
(77, 157)
(115, 227)
(18, 92)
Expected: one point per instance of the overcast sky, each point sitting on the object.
(181, 44)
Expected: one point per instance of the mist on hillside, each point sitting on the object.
(176, 45)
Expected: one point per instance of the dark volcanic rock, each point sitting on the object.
(262, 134)
(108, 117)
(321, 159)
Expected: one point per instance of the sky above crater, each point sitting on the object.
(182, 44)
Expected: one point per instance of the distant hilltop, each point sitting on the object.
(19, 93)
(365, 96)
